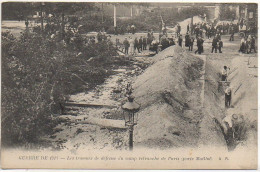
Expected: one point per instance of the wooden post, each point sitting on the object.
(131, 141)
(102, 13)
(131, 11)
(114, 15)
(41, 17)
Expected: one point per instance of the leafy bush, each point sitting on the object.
(38, 72)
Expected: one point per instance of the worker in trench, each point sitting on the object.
(228, 93)
(234, 127)
(224, 73)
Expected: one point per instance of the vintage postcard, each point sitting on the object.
(129, 85)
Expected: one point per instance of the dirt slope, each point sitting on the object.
(169, 94)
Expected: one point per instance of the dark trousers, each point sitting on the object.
(214, 47)
(252, 47)
(144, 46)
(219, 49)
(135, 47)
(126, 50)
(199, 50)
(231, 37)
(190, 47)
(223, 78)
(227, 100)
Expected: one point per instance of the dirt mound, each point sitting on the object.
(169, 94)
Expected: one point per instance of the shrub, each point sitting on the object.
(38, 73)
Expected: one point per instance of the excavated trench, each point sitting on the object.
(215, 109)
(182, 105)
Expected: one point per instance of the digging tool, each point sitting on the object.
(237, 88)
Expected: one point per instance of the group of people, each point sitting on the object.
(189, 41)
(217, 44)
(101, 36)
(212, 29)
(247, 44)
(131, 46)
(131, 29)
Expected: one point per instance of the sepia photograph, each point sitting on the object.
(129, 85)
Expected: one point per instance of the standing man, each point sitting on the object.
(199, 45)
(228, 97)
(191, 43)
(178, 29)
(131, 42)
(144, 43)
(140, 43)
(99, 36)
(180, 40)
(232, 32)
(220, 45)
(127, 45)
(214, 44)
(136, 45)
(26, 24)
(187, 40)
(252, 44)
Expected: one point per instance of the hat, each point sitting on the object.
(234, 116)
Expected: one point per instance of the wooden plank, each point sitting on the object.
(89, 105)
(102, 122)
(224, 81)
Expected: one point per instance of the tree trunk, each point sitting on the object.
(62, 25)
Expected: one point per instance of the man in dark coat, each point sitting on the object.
(232, 32)
(191, 43)
(199, 45)
(136, 45)
(220, 45)
(178, 29)
(180, 40)
(214, 44)
(144, 43)
(187, 40)
(126, 45)
(140, 44)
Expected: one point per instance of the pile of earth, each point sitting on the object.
(169, 94)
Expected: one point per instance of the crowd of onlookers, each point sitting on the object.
(247, 44)
(196, 33)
